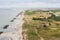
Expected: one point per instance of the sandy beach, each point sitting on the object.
(14, 31)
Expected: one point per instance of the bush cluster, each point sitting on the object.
(42, 19)
(56, 18)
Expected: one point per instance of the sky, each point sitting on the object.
(29, 3)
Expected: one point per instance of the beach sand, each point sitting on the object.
(15, 30)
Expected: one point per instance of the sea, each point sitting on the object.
(7, 14)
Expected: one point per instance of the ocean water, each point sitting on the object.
(6, 15)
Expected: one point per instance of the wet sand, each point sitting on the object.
(15, 30)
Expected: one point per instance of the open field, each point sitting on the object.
(58, 13)
(40, 25)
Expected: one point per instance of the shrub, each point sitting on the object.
(56, 18)
(42, 19)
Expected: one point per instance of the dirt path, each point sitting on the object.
(42, 38)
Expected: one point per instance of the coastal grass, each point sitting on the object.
(34, 29)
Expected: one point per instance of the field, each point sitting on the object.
(41, 25)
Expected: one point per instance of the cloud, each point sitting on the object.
(28, 4)
(34, 4)
(22, 5)
(50, 1)
(39, 5)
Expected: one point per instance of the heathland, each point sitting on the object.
(41, 25)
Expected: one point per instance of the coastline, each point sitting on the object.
(14, 30)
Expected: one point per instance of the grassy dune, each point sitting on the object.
(34, 30)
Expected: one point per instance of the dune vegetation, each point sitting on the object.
(41, 25)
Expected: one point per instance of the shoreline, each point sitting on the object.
(15, 30)
(16, 16)
(5, 27)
